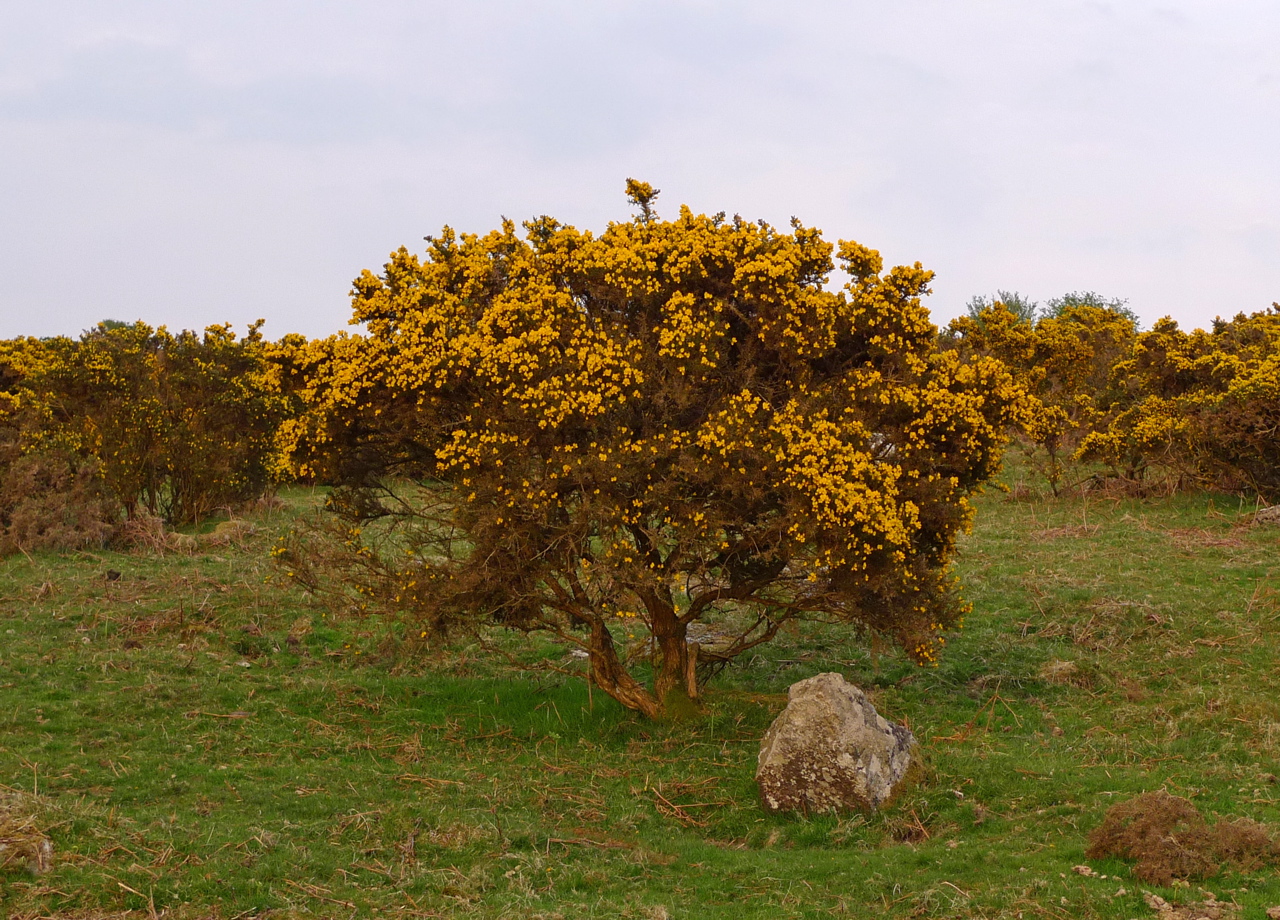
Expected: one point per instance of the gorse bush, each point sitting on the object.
(351, 425)
(671, 422)
(1202, 406)
(1198, 409)
(50, 498)
(53, 500)
(140, 419)
(1063, 361)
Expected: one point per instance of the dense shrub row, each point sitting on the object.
(1168, 407)
(128, 420)
(673, 422)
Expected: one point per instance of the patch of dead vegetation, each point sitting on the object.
(1270, 515)
(52, 500)
(1197, 538)
(22, 842)
(1067, 673)
(144, 533)
(1110, 486)
(147, 534)
(1168, 838)
(1022, 491)
(1110, 623)
(1209, 909)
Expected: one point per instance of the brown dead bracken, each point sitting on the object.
(1169, 839)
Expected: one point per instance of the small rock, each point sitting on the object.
(1269, 515)
(829, 750)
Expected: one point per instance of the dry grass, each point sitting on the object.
(1196, 538)
(1072, 530)
(1270, 515)
(1168, 838)
(22, 842)
(144, 533)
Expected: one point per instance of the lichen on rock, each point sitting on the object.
(830, 750)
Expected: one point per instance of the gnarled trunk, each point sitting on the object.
(675, 668)
(675, 663)
(611, 676)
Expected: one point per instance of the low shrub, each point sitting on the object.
(1168, 838)
(54, 500)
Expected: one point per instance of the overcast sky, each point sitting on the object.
(188, 164)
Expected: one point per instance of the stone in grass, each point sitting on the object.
(830, 750)
(1269, 515)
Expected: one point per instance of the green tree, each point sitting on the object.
(1056, 306)
(1022, 307)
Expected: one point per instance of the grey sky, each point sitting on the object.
(197, 163)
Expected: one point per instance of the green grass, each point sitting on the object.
(186, 756)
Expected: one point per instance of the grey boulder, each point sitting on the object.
(829, 750)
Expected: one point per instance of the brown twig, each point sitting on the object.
(314, 892)
(672, 810)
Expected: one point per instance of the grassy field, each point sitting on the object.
(200, 741)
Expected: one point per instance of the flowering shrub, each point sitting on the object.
(670, 422)
(348, 425)
(1063, 361)
(49, 498)
(179, 425)
(1202, 406)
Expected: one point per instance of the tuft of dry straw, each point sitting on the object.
(145, 533)
(21, 841)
